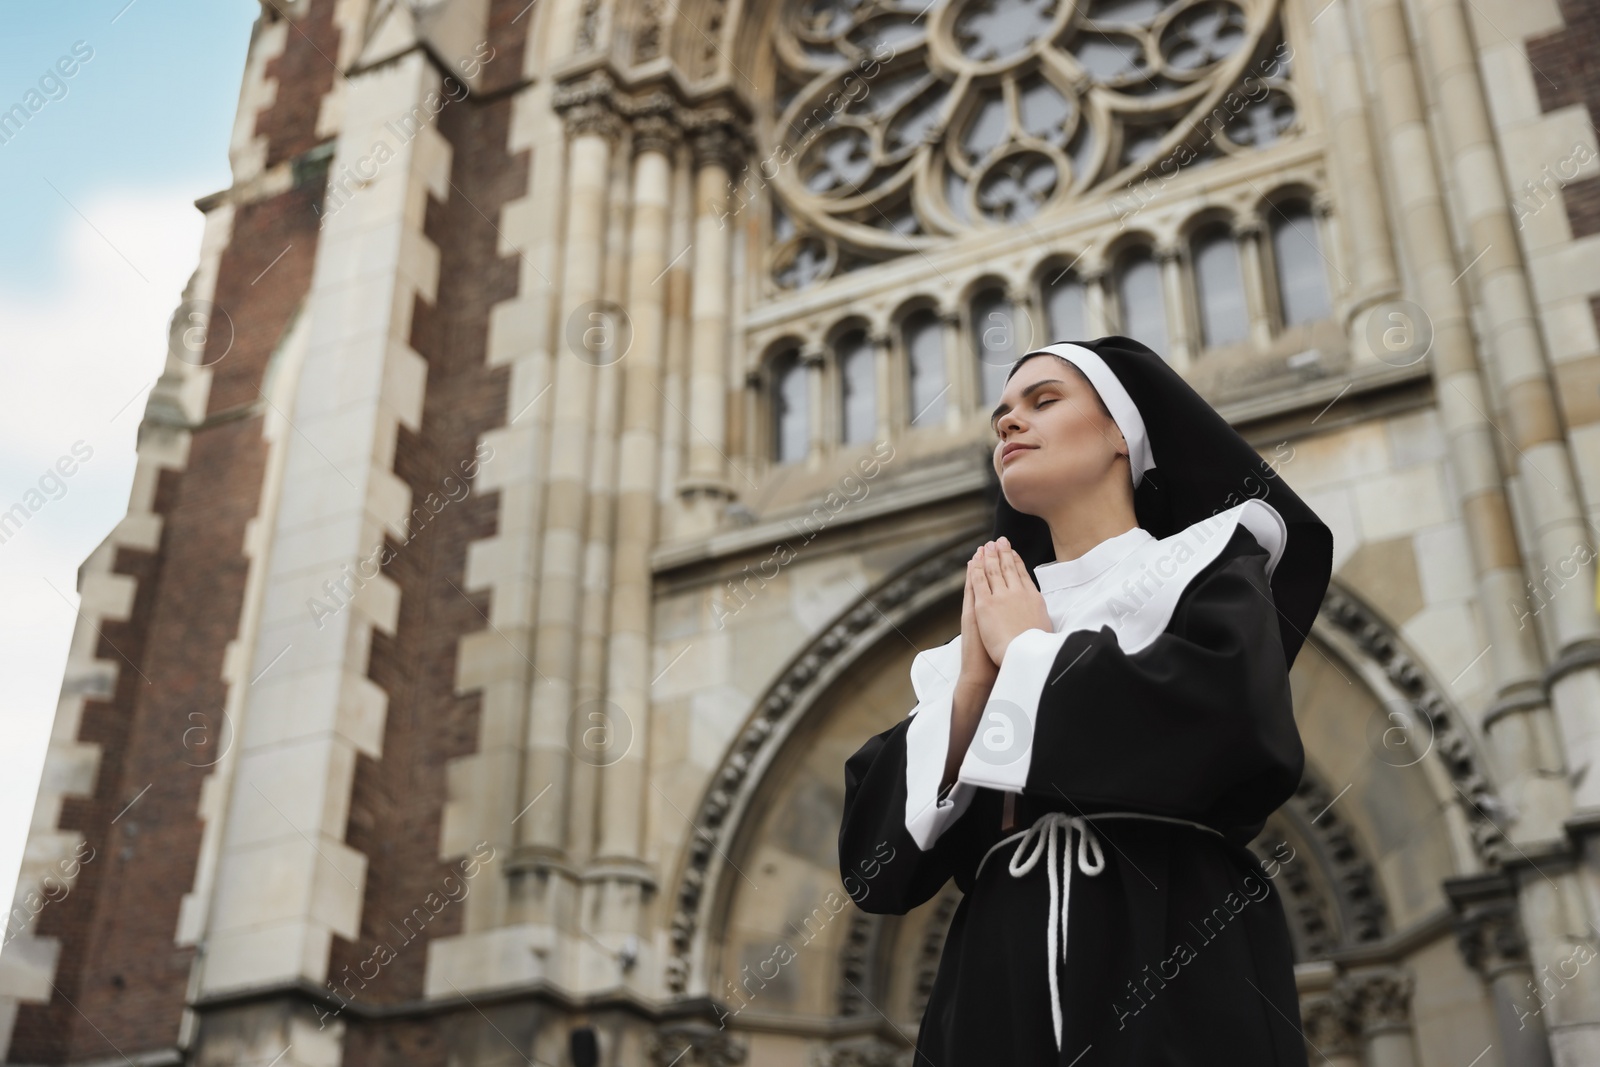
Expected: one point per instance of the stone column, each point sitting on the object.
(286, 881)
(1515, 352)
(705, 489)
(592, 128)
(1182, 336)
(962, 399)
(615, 739)
(883, 368)
(1518, 722)
(1382, 1001)
(1258, 288)
(813, 357)
(1489, 935)
(1354, 166)
(1096, 304)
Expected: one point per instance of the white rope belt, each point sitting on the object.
(1041, 835)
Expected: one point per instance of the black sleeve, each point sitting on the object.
(880, 863)
(1197, 724)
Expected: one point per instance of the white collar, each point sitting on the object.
(1066, 573)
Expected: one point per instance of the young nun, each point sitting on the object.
(1090, 757)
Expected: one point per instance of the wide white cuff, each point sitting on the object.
(927, 745)
(1002, 749)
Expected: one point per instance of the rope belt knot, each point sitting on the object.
(1040, 839)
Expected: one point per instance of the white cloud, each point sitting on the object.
(71, 355)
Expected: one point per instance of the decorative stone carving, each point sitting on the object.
(1381, 998)
(901, 126)
(694, 1044)
(589, 106)
(867, 1051)
(1451, 743)
(1331, 1023)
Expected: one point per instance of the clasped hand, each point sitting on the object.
(1000, 601)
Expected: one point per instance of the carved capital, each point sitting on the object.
(656, 132)
(1331, 1024)
(694, 1044)
(589, 106)
(1247, 227)
(719, 146)
(1381, 998)
(1487, 928)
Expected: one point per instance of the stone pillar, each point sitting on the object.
(883, 376)
(959, 371)
(1518, 722)
(286, 881)
(1369, 248)
(704, 489)
(1515, 352)
(614, 738)
(1258, 288)
(1182, 336)
(813, 357)
(592, 128)
(1096, 304)
(1381, 999)
(1490, 938)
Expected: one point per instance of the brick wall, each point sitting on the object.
(397, 801)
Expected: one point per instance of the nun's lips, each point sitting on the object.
(1012, 449)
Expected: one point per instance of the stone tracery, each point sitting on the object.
(909, 123)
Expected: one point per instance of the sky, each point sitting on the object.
(98, 236)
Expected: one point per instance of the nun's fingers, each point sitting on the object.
(992, 567)
(1017, 568)
(980, 575)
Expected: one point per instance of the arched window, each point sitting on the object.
(858, 379)
(1144, 314)
(1063, 306)
(1302, 279)
(924, 340)
(791, 414)
(1219, 287)
(994, 339)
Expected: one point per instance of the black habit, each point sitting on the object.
(1121, 920)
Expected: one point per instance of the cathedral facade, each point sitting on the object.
(578, 420)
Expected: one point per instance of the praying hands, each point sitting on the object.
(1005, 602)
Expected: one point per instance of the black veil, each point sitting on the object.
(1200, 466)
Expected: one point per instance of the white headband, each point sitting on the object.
(1121, 406)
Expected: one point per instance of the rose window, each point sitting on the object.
(905, 122)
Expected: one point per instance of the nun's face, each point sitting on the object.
(1069, 441)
